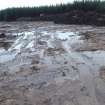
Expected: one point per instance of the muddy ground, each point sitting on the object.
(42, 63)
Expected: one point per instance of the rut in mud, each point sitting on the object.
(49, 64)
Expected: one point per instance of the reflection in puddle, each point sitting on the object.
(4, 55)
(97, 57)
(2, 50)
(7, 57)
(65, 35)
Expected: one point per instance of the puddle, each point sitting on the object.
(65, 35)
(4, 54)
(7, 57)
(2, 50)
(97, 57)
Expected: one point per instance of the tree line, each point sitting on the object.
(11, 14)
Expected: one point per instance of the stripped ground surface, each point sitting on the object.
(49, 64)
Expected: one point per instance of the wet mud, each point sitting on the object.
(50, 64)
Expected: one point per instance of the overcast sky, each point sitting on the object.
(20, 3)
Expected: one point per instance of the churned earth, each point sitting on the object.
(42, 63)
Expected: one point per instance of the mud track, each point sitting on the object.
(49, 64)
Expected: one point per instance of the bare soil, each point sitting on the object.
(50, 64)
